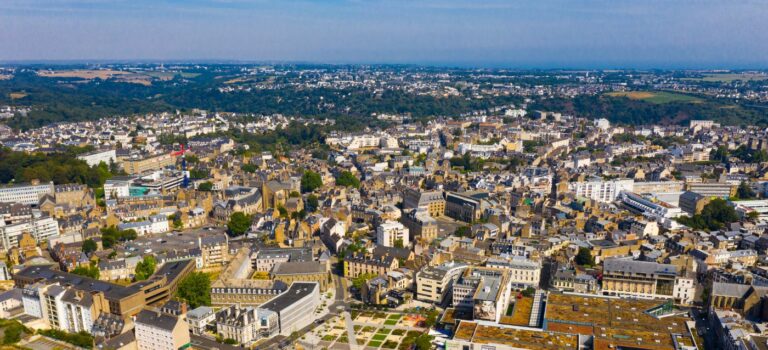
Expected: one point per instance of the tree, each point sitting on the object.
(753, 215)
(91, 271)
(111, 235)
(238, 224)
(310, 181)
(249, 168)
(347, 179)
(584, 257)
(205, 186)
(423, 342)
(145, 268)
(462, 231)
(715, 215)
(361, 279)
(399, 243)
(312, 203)
(720, 154)
(745, 191)
(89, 246)
(195, 289)
(528, 292)
(283, 212)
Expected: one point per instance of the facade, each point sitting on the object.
(602, 190)
(156, 330)
(662, 212)
(432, 201)
(359, 264)
(41, 229)
(570, 281)
(199, 319)
(420, 224)
(462, 207)
(640, 279)
(138, 166)
(302, 271)
(96, 157)
(434, 283)
(28, 194)
(483, 290)
(246, 324)
(295, 308)
(389, 233)
(123, 301)
(154, 225)
(523, 273)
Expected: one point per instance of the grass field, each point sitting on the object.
(658, 97)
(730, 77)
(82, 73)
(521, 314)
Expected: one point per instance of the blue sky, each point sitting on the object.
(535, 33)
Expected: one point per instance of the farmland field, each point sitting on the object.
(82, 73)
(730, 77)
(658, 97)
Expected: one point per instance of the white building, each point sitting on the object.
(41, 229)
(156, 224)
(94, 158)
(28, 194)
(523, 272)
(390, 232)
(117, 188)
(661, 212)
(160, 331)
(296, 307)
(601, 190)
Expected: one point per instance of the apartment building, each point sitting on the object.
(483, 290)
(27, 194)
(390, 233)
(523, 272)
(141, 165)
(41, 229)
(641, 279)
(157, 330)
(601, 190)
(420, 224)
(434, 283)
(432, 201)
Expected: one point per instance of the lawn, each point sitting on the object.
(329, 337)
(390, 322)
(390, 345)
(374, 343)
(379, 337)
(521, 313)
(656, 97)
(384, 331)
(394, 317)
(398, 332)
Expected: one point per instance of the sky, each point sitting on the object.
(491, 33)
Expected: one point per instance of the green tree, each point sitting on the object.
(463, 231)
(528, 292)
(111, 235)
(91, 271)
(715, 215)
(720, 154)
(361, 279)
(399, 243)
(249, 168)
(312, 203)
(745, 191)
(584, 257)
(195, 289)
(347, 179)
(145, 268)
(89, 246)
(310, 181)
(238, 224)
(205, 186)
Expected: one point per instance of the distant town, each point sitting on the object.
(355, 207)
